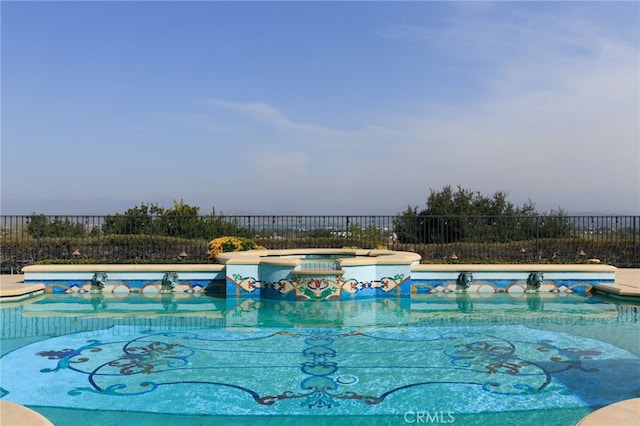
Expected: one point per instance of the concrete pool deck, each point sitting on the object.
(627, 285)
(623, 413)
(15, 414)
(13, 288)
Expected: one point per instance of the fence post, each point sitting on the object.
(635, 243)
(347, 236)
(150, 237)
(537, 237)
(38, 241)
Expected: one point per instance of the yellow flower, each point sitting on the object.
(227, 244)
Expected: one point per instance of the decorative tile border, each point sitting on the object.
(123, 287)
(281, 278)
(316, 286)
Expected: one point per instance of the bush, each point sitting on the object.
(40, 226)
(465, 216)
(182, 220)
(229, 244)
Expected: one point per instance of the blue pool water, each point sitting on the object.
(457, 358)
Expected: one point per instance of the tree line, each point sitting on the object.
(181, 220)
(450, 215)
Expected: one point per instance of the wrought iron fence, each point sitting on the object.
(169, 238)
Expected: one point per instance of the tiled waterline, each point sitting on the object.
(283, 275)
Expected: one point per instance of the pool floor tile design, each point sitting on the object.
(325, 371)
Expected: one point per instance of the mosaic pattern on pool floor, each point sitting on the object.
(319, 371)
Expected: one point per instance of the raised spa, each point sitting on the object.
(318, 273)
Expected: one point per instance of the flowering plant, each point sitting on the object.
(227, 244)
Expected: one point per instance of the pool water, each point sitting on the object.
(453, 358)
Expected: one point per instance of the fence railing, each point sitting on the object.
(169, 238)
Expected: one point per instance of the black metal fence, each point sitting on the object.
(169, 238)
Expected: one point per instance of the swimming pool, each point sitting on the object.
(465, 358)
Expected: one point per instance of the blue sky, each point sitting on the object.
(318, 108)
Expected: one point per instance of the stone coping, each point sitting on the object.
(293, 257)
(19, 291)
(623, 413)
(619, 289)
(188, 267)
(521, 267)
(312, 272)
(15, 414)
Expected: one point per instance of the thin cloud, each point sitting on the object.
(560, 122)
(500, 35)
(559, 146)
(265, 113)
(572, 134)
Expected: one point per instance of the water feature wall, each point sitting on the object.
(124, 279)
(510, 279)
(319, 274)
(315, 274)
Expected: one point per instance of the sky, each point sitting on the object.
(318, 107)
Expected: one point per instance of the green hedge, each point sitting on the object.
(161, 249)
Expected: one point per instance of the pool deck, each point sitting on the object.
(623, 413)
(627, 285)
(12, 288)
(15, 414)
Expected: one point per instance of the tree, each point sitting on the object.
(39, 227)
(358, 234)
(458, 215)
(182, 220)
(136, 220)
(407, 226)
(464, 215)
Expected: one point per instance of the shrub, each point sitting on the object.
(227, 244)
(41, 226)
